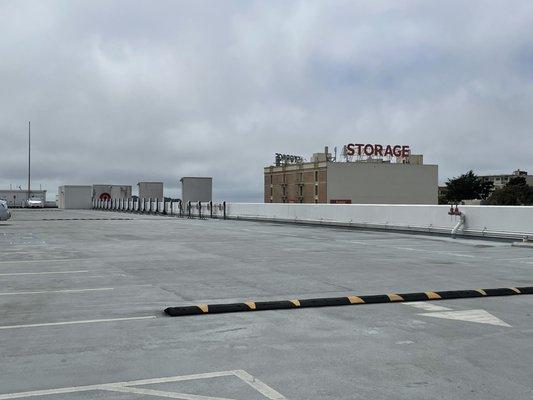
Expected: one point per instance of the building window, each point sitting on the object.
(284, 190)
(316, 176)
(301, 176)
(316, 201)
(271, 179)
(316, 190)
(271, 192)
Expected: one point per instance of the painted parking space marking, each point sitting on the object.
(58, 291)
(44, 273)
(427, 306)
(43, 260)
(479, 316)
(85, 321)
(130, 387)
(161, 393)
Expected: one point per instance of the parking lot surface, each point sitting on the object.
(82, 294)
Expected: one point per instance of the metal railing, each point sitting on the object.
(200, 209)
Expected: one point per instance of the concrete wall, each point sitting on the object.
(150, 190)
(382, 183)
(121, 191)
(490, 221)
(17, 198)
(196, 189)
(75, 197)
(115, 191)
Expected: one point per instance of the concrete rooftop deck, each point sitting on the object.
(82, 294)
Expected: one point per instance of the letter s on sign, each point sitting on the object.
(350, 151)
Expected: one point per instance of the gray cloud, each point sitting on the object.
(125, 91)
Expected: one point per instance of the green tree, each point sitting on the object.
(515, 193)
(516, 181)
(467, 187)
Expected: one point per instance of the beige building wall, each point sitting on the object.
(382, 183)
(196, 189)
(75, 197)
(150, 190)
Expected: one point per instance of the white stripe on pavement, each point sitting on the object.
(261, 387)
(43, 260)
(87, 321)
(126, 387)
(57, 291)
(44, 273)
(160, 393)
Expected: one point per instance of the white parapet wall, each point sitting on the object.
(490, 221)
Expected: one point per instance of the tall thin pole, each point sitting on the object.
(29, 159)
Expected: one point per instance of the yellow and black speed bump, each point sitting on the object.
(342, 301)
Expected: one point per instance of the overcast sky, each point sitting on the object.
(126, 91)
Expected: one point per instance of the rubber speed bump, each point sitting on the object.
(252, 306)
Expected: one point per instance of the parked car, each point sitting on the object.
(34, 202)
(4, 211)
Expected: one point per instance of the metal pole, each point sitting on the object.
(29, 159)
(211, 209)
(224, 210)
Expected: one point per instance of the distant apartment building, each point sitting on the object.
(358, 179)
(501, 180)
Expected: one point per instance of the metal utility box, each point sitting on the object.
(106, 192)
(75, 197)
(196, 189)
(150, 190)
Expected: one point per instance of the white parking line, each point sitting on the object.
(43, 260)
(261, 387)
(44, 273)
(426, 306)
(57, 291)
(126, 387)
(160, 393)
(85, 321)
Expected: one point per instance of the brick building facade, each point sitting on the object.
(298, 183)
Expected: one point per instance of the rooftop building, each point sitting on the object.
(359, 178)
